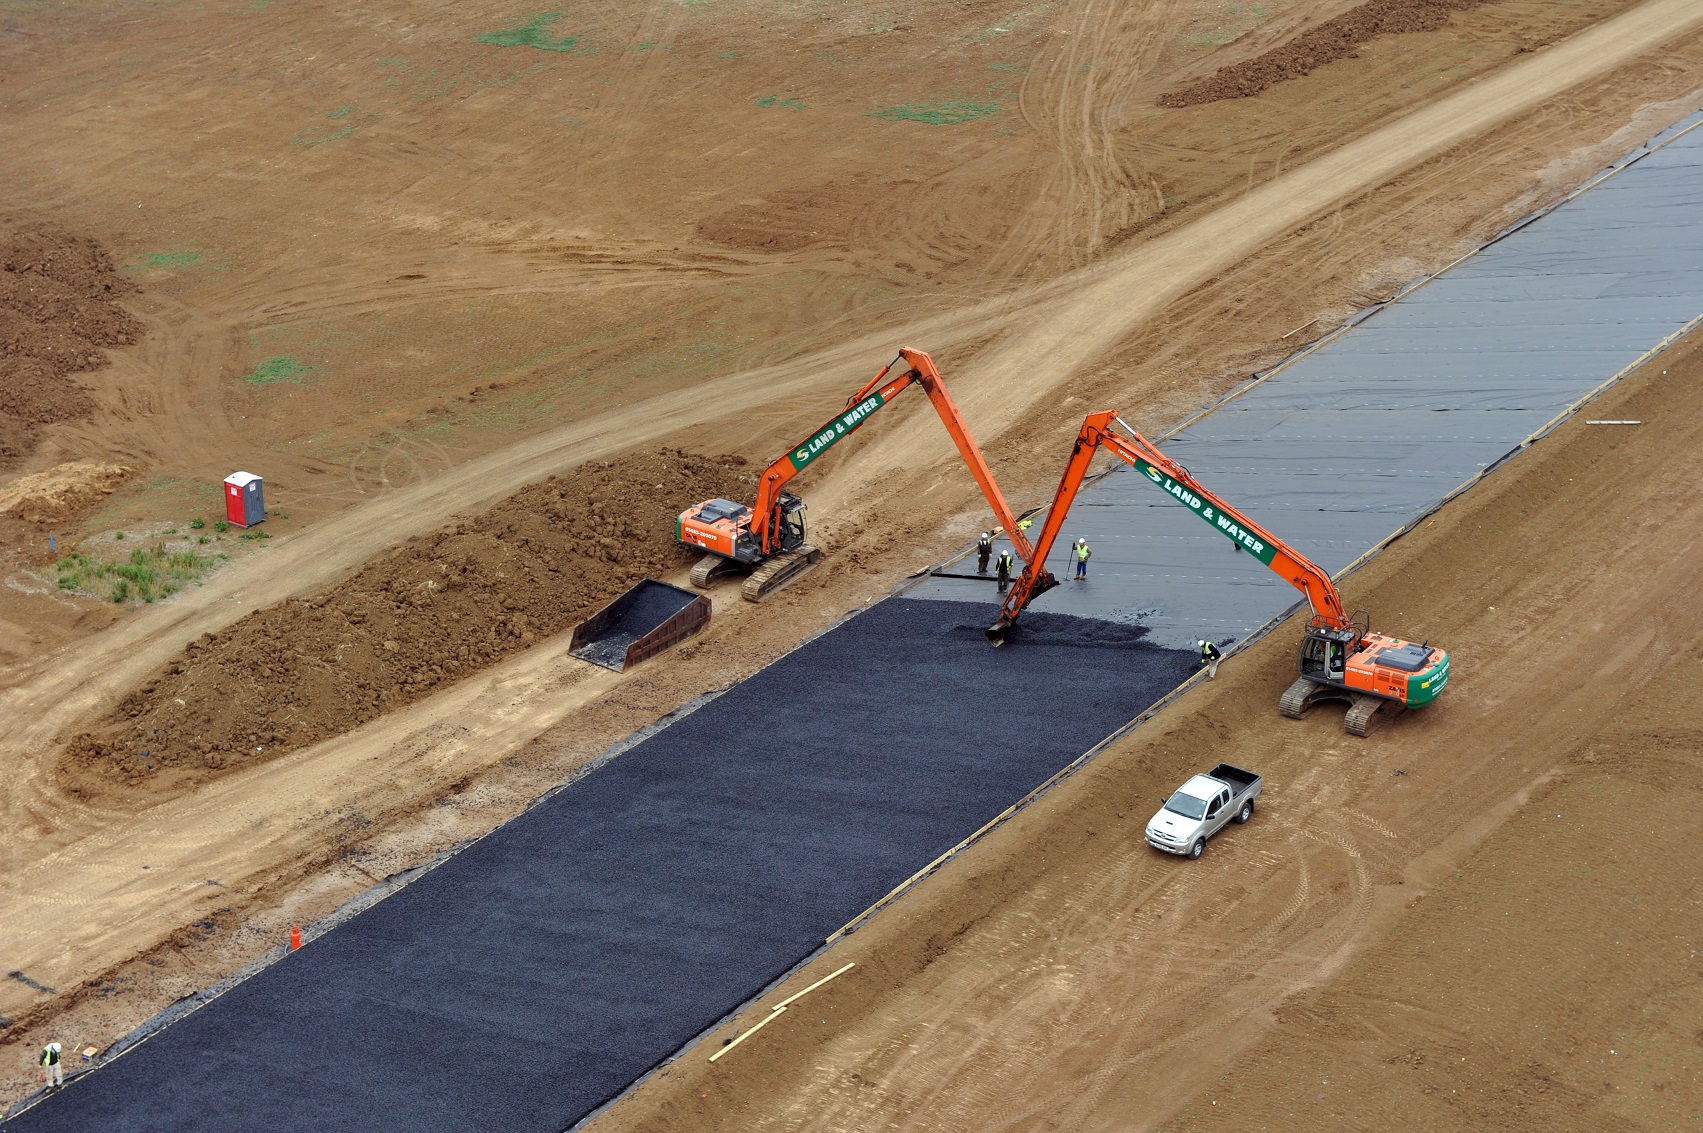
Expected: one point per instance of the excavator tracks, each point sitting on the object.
(1364, 712)
(778, 571)
(1364, 716)
(1297, 698)
(708, 569)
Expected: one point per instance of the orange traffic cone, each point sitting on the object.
(295, 937)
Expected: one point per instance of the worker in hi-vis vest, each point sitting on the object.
(1002, 570)
(1082, 554)
(52, 1070)
(1209, 658)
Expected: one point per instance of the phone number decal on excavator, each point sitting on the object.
(835, 431)
(1249, 542)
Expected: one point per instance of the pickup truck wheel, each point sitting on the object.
(1198, 848)
(1247, 811)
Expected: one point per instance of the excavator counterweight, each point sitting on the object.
(1341, 658)
(767, 539)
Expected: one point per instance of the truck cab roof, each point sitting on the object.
(1203, 787)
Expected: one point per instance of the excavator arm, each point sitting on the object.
(1288, 563)
(919, 369)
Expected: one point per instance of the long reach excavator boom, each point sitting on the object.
(768, 538)
(1341, 658)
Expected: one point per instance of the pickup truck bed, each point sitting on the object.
(1238, 779)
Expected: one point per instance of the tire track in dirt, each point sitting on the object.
(1144, 927)
(1071, 97)
(637, 76)
(1150, 974)
(392, 282)
(1148, 920)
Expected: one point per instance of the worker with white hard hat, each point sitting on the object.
(52, 1067)
(1209, 658)
(984, 552)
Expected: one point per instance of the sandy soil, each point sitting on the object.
(1457, 924)
(294, 837)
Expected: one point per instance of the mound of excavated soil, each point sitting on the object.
(1332, 40)
(58, 310)
(60, 490)
(430, 612)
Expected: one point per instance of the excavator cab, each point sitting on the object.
(1326, 649)
(1324, 657)
(791, 521)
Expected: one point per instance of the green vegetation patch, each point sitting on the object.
(534, 33)
(147, 575)
(167, 261)
(352, 120)
(782, 103)
(278, 368)
(322, 139)
(952, 112)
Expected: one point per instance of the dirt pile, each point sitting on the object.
(58, 310)
(430, 612)
(60, 490)
(1334, 39)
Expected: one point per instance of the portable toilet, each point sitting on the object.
(244, 503)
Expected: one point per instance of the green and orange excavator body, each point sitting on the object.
(1341, 658)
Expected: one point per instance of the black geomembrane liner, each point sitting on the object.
(540, 971)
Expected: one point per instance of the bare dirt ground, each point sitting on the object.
(1485, 916)
(404, 625)
(426, 305)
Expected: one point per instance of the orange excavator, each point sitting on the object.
(768, 540)
(1341, 658)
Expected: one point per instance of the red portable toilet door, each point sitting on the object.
(233, 504)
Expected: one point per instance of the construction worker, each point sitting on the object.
(52, 1071)
(1082, 554)
(984, 552)
(1209, 658)
(1002, 569)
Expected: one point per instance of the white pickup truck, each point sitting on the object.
(1201, 807)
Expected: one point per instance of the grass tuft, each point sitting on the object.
(278, 368)
(534, 33)
(953, 112)
(167, 261)
(148, 574)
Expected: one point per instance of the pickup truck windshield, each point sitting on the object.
(1186, 805)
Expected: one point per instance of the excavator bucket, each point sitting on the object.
(641, 623)
(998, 631)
